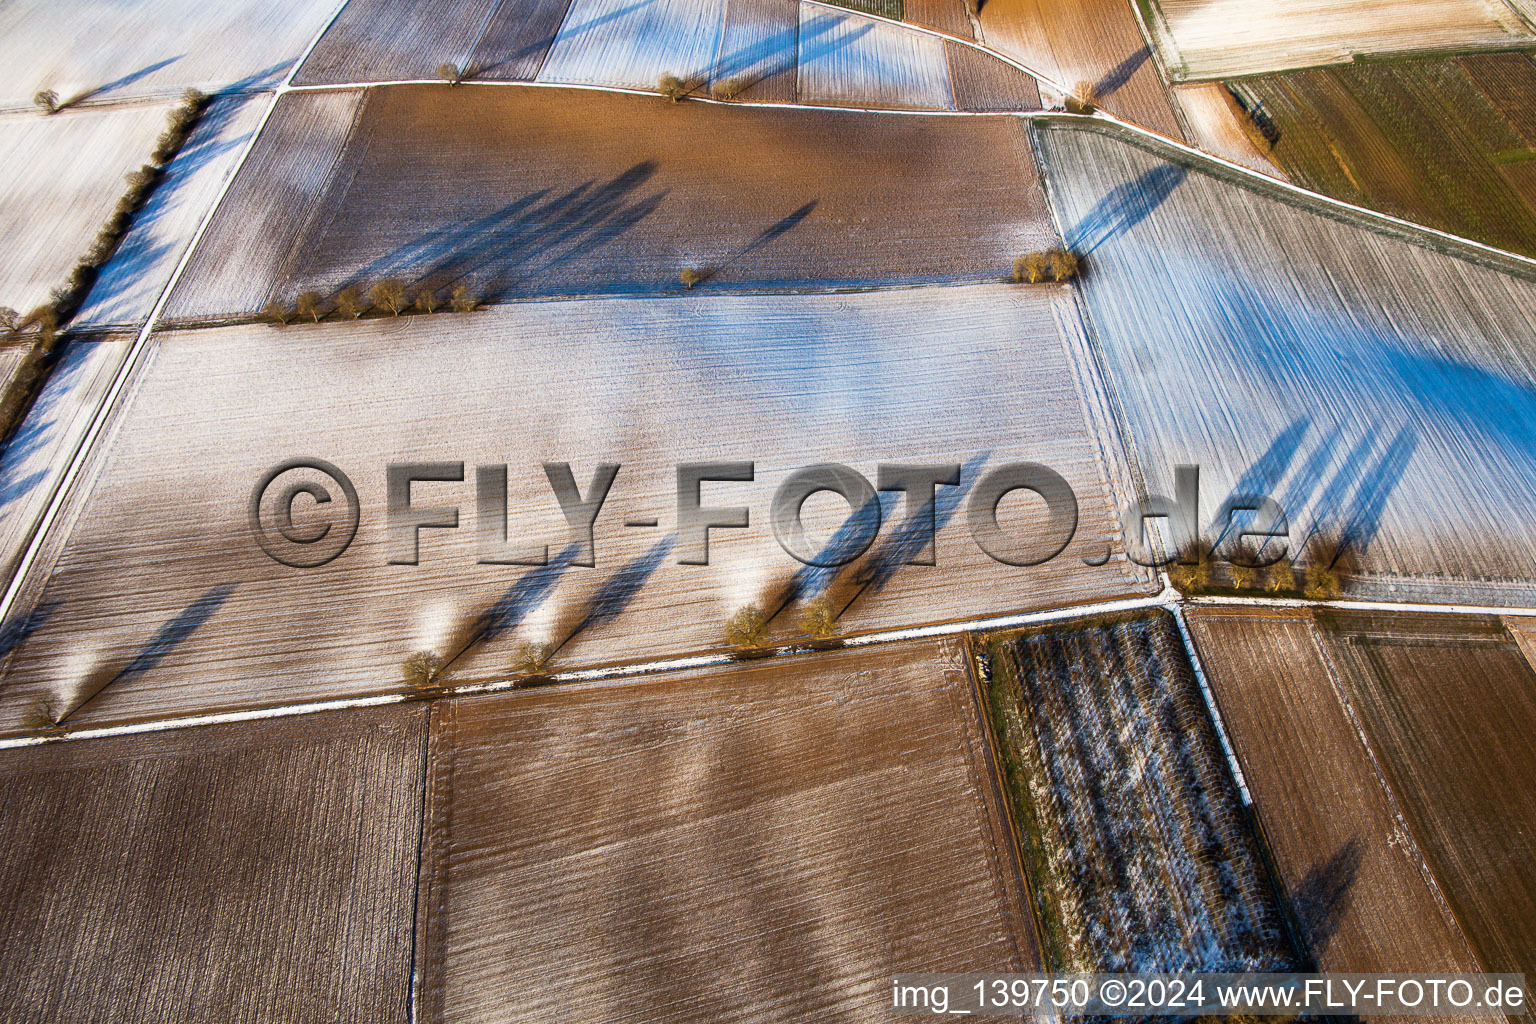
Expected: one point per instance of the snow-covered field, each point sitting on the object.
(159, 597)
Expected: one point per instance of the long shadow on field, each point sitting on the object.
(1260, 478)
(1121, 73)
(783, 49)
(37, 430)
(121, 83)
(1350, 503)
(524, 240)
(145, 246)
(169, 637)
(519, 601)
(1124, 207)
(1322, 898)
(15, 632)
(561, 31)
(905, 543)
(619, 590)
(909, 539)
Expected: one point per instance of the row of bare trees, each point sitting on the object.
(41, 326)
(388, 296)
(1047, 265)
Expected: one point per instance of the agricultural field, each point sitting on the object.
(405, 183)
(1205, 39)
(153, 608)
(1137, 847)
(764, 51)
(1354, 878)
(1219, 125)
(1348, 374)
(33, 460)
(52, 203)
(1093, 47)
(92, 52)
(1458, 759)
(129, 284)
(257, 871)
(757, 843)
(1446, 142)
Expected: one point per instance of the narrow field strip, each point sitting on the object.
(125, 372)
(1168, 599)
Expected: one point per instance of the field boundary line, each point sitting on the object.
(1167, 599)
(59, 493)
(1343, 604)
(1264, 181)
(1210, 704)
(1100, 120)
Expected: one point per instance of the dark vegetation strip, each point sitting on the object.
(42, 328)
(1139, 853)
(1458, 247)
(1442, 141)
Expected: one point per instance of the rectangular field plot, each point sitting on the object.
(128, 286)
(1229, 38)
(630, 44)
(1380, 392)
(1093, 43)
(760, 843)
(253, 872)
(1448, 704)
(1354, 879)
(608, 193)
(35, 457)
(85, 50)
(1137, 847)
(156, 607)
(1442, 142)
(53, 202)
(852, 61)
(384, 40)
(759, 51)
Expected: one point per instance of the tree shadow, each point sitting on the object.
(522, 241)
(544, 42)
(1322, 899)
(523, 597)
(169, 637)
(121, 83)
(1124, 207)
(1121, 73)
(619, 590)
(15, 632)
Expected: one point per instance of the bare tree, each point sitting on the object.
(9, 319)
(463, 300)
(450, 73)
(693, 275)
(1064, 264)
(1084, 98)
(672, 87)
(276, 311)
(390, 294)
(531, 659)
(349, 303)
(748, 627)
(421, 670)
(730, 88)
(426, 300)
(308, 304)
(1029, 268)
(47, 100)
(819, 619)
